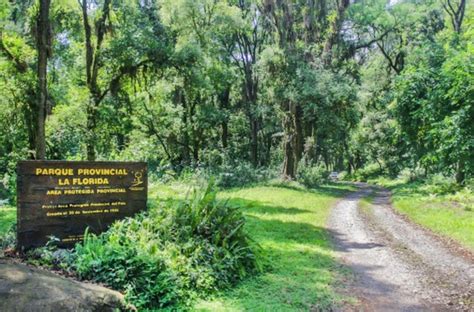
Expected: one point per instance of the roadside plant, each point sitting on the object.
(312, 176)
(171, 254)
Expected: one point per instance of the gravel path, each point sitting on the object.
(397, 265)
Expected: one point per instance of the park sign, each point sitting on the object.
(63, 198)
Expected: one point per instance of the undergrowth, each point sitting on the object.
(437, 203)
(172, 254)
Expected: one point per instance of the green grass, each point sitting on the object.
(7, 218)
(289, 224)
(448, 214)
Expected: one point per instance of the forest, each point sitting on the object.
(236, 85)
(270, 101)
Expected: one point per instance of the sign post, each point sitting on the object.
(63, 198)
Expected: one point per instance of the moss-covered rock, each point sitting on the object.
(23, 288)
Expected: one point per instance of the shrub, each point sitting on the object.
(8, 239)
(464, 198)
(343, 176)
(51, 256)
(227, 174)
(8, 187)
(171, 254)
(440, 184)
(242, 173)
(370, 171)
(312, 176)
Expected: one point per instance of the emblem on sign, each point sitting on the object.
(137, 181)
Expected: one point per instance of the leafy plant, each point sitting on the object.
(8, 239)
(312, 176)
(171, 254)
(51, 256)
(239, 174)
(368, 172)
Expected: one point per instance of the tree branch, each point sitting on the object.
(20, 65)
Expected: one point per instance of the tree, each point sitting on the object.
(43, 38)
(34, 93)
(248, 42)
(93, 64)
(106, 66)
(455, 10)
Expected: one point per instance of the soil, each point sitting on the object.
(397, 265)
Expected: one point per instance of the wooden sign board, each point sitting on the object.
(63, 198)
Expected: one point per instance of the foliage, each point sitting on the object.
(313, 176)
(437, 204)
(421, 116)
(370, 171)
(7, 219)
(236, 89)
(288, 221)
(7, 236)
(51, 256)
(232, 174)
(171, 254)
(218, 85)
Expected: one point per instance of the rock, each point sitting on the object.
(23, 288)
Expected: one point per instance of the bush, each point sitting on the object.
(440, 184)
(239, 174)
(343, 176)
(464, 197)
(227, 174)
(312, 176)
(170, 255)
(52, 257)
(370, 171)
(8, 187)
(8, 239)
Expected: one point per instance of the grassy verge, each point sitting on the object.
(7, 218)
(449, 214)
(288, 222)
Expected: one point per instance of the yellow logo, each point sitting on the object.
(137, 181)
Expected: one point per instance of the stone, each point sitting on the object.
(25, 289)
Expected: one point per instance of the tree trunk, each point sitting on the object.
(92, 72)
(43, 38)
(185, 152)
(251, 99)
(460, 173)
(268, 148)
(224, 104)
(299, 135)
(254, 141)
(225, 134)
(91, 140)
(196, 149)
(456, 13)
(334, 30)
(350, 164)
(289, 140)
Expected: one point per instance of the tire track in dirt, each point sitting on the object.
(397, 266)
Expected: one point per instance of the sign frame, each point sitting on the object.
(63, 198)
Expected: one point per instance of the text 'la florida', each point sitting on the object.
(83, 181)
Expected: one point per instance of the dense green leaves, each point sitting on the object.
(171, 254)
(215, 84)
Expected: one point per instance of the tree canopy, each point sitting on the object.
(210, 83)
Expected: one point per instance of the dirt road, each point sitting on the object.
(397, 265)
